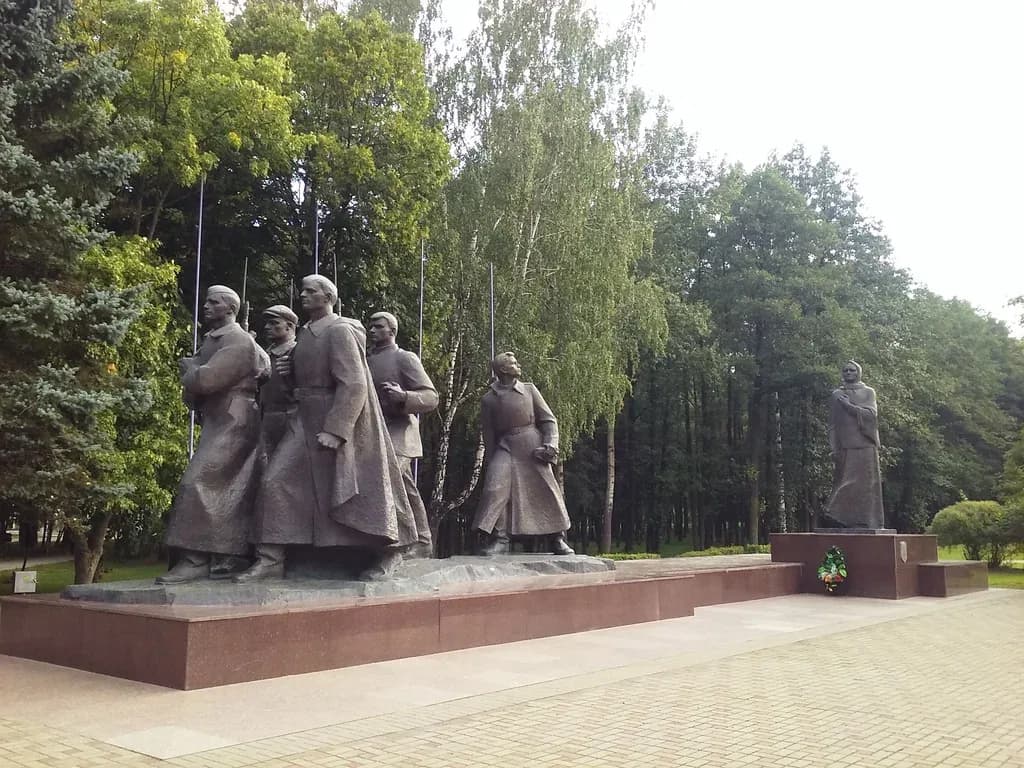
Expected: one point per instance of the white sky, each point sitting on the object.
(921, 100)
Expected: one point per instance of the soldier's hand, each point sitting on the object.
(393, 392)
(283, 365)
(546, 454)
(327, 440)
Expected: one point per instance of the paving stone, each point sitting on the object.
(934, 689)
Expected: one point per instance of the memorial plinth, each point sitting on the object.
(948, 578)
(881, 563)
(181, 645)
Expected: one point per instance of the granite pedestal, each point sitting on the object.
(161, 636)
(948, 578)
(881, 563)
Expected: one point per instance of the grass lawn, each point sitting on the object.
(55, 576)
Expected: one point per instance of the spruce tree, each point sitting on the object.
(60, 162)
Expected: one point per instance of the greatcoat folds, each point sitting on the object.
(856, 500)
(520, 490)
(352, 496)
(389, 363)
(213, 507)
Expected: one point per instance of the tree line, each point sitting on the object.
(685, 318)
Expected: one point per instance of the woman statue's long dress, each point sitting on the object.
(856, 500)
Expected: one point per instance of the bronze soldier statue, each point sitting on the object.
(520, 495)
(333, 480)
(277, 392)
(405, 391)
(211, 516)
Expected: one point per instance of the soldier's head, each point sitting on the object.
(383, 328)
(506, 367)
(851, 372)
(221, 306)
(318, 295)
(279, 324)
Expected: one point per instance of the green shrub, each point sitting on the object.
(741, 549)
(1015, 520)
(985, 529)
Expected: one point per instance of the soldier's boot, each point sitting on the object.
(191, 566)
(384, 568)
(560, 546)
(419, 551)
(269, 565)
(498, 543)
(226, 566)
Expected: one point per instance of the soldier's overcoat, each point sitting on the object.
(402, 367)
(212, 510)
(516, 420)
(405, 369)
(352, 496)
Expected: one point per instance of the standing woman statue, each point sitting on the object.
(856, 500)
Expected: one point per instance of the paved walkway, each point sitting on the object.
(803, 680)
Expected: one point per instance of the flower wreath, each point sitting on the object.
(832, 571)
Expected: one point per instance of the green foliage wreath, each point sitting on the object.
(832, 571)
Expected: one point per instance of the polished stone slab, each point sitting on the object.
(948, 578)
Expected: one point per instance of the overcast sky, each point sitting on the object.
(921, 100)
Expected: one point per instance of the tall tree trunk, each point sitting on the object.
(89, 548)
(609, 489)
(689, 521)
(447, 411)
(805, 459)
(758, 422)
(137, 212)
(436, 514)
(701, 426)
(780, 472)
(634, 498)
(652, 532)
(154, 219)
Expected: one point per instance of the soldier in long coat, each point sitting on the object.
(405, 391)
(333, 480)
(212, 511)
(277, 393)
(520, 494)
(856, 499)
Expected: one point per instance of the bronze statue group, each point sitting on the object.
(312, 442)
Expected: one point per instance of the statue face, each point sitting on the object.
(850, 374)
(313, 297)
(278, 329)
(216, 308)
(510, 367)
(380, 332)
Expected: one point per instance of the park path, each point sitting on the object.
(14, 563)
(802, 680)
